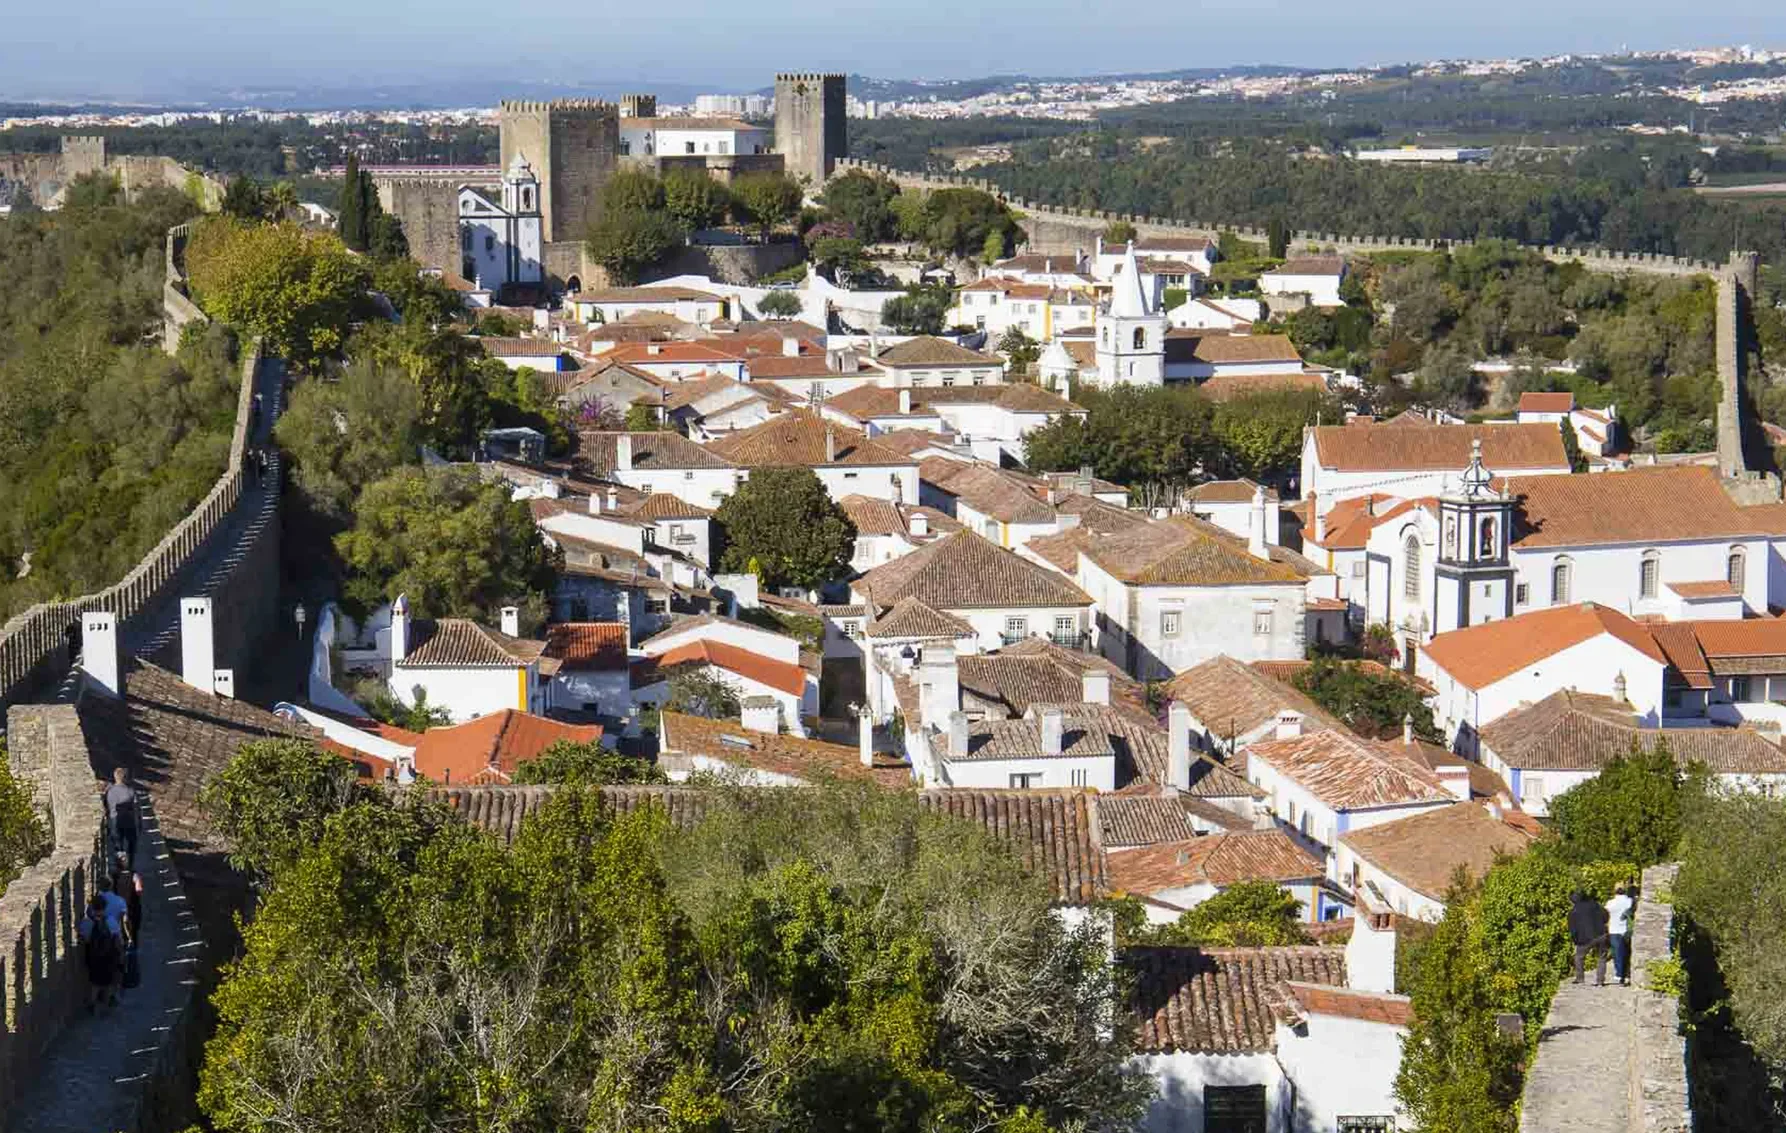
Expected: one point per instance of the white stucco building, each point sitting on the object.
(499, 240)
(463, 667)
(1314, 278)
(1411, 458)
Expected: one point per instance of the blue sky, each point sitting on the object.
(120, 48)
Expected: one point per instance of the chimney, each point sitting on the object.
(511, 621)
(919, 524)
(830, 445)
(905, 401)
(1408, 728)
(1456, 779)
(595, 503)
(1258, 538)
(1289, 725)
(623, 452)
(1178, 747)
(1618, 686)
(399, 629)
(865, 736)
(223, 683)
(1319, 517)
(1370, 503)
(761, 714)
(939, 682)
(1370, 954)
(958, 735)
(198, 651)
(613, 499)
(653, 349)
(1053, 725)
(1096, 685)
(790, 347)
(101, 660)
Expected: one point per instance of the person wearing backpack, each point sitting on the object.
(120, 807)
(102, 946)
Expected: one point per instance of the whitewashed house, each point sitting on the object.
(463, 667)
(1230, 705)
(1595, 429)
(1315, 279)
(846, 461)
(886, 531)
(1410, 458)
(755, 662)
(1207, 313)
(753, 750)
(660, 462)
(692, 136)
(589, 667)
(1411, 861)
(925, 361)
(685, 304)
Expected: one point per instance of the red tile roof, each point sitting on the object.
(1348, 773)
(587, 646)
(793, 756)
(800, 437)
(488, 749)
(1405, 446)
(1481, 655)
(1213, 859)
(1660, 505)
(1423, 851)
(964, 571)
(1222, 1000)
(1546, 402)
(782, 675)
(1344, 1002)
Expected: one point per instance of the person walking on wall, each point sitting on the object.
(102, 949)
(1587, 930)
(120, 810)
(1618, 931)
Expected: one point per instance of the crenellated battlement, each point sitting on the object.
(594, 106)
(811, 77)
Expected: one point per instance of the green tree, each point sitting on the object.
(1630, 812)
(1157, 441)
(456, 545)
(766, 199)
(341, 435)
(585, 765)
(780, 304)
(642, 418)
(298, 290)
(921, 310)
(271, 801)
(1119, 232)
(1018, 348)
(1277, 237)
(627, 242)
(632, 190)
(837, 258)
(1247, 914)
(458, 385)
(1572, 447)
(1372, 701)
(351, 221)
(694, 199)
(782, 524)
(244, 199)
(697, 691)
(863, 201)
(1262, 432)
(964, 222)
(385, 239)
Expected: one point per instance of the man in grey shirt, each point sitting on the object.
(120, 809)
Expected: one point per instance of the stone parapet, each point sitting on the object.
(1659, 1099)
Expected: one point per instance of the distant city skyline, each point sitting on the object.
(185, 49)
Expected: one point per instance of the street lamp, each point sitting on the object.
(299, 615)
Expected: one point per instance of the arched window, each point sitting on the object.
(1140, 338)
(1561, 574)
(1649, 575)
(1735, 567)
(1104, 336)
(1411, 567)
(1490, 546)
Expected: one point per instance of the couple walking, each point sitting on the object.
(1593, 927)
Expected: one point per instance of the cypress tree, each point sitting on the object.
(352, 214)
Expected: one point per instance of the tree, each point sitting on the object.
(244, 199)
(863, 201)
(351, 221)
(921, 310)
(782, 524)
(1247, 914)
(341, 435)
(23, 837)
(456, 545)
(1018, 349)
(385, 239)
(632, 190)
(1119, 232)
(766, 199)
(271, 801)
(1262, 432)
(1372, 701)
(779, 304)
(585, 765)
(964, 222)
(642, 418)
(696, 690)
(1631, 811)
(298, 290)
(1572, 447)
(694, 199)
(457, 384)
(628, 241)
(1277, 237)
(838, 258)
(1155, 440)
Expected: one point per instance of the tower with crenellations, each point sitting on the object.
(573, 146)
(638, 106)
(810, 125)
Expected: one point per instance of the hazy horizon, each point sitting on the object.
(170, 50)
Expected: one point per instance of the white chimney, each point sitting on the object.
(653, 348)
(1053, 725)
(1320, 518)
(939, 683)
(1178, 747)
(1408, 728)
(958, 734)
(198, 650)
(595, 503)
(399, 629)
(1258, 542)
(623, 452)
(613, 499)
(830, 445)
(905, 401)
(761, 714)
(790, 347)
(1455, 779)
(511, 621)
(1370, 954)
(1618, 686)
(223, 683)
(919, 524)
(101, 660)
(865, 736)
(1096, 685)
(1289, 725)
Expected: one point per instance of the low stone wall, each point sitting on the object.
(42, 984)
(1659, 1099)
(738, 264)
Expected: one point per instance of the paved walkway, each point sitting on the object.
(91, 1080)
(1582, 1078)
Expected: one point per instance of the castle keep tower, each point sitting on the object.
(572, 145)
(638, 106)
(810, 125)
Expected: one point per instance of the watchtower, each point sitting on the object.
(81, 155)
(638, 106)
(810, 127)
(573, 146)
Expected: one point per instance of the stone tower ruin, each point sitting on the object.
(573, 145)
(810, 131)
(638, 106)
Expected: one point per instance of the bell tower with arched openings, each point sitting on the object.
(1473, 577)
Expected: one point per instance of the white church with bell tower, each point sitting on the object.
(1131, 332)
(1473, 575)
(500, 243)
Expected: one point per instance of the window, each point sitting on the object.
(1104, 336)
(990, 529)
(1366, 1125)
(1234, 1109)
(688, 475)
(1734, 569)
(489, 243)
(1016, 627)
(1489, 544)
(1081, 778)
(1411, 568)
(1522, 593)
(1741, 691)
(1023, 781)
(1066, 630)
(1531, 789)
(852, 630)
(688, 147)
(1358, 569)
(1140, 338)
(1560, 573)
(465, 239)
(1647, 574)
(863, 548)
(948, 377)
(1262, 622)
(1169, 620)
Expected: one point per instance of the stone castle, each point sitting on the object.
(44, 177)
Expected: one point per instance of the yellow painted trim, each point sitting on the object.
(521, 690)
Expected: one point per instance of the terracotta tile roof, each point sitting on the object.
(1022, 739)
(798, 437)
(1417, 444)
(665, 294)
(587, 646)
(782, 675)
(909, 441)
(793, 756)
(651, 451)
(1232, 697)
(1481, 655)
(1423, 851)
(1227, 387)
(1228, 492)
(1350, 521)
(865, 402)
(1310, 265)
(1713, 588)
(1098, 517)
(1158, 265)
(783, 366)
(996, 493)
(681, 395)
(663, 505)
(519, 347)
(1221, 1000)
(1021, 675)
(1170, 244)
(927, 351)
(873, 516)
(1214, 859)
(1574, 731)
(1129, 820)
(1348, 773)
(1218, 347)
(460, 643)
(489, 748)
(660, 354)
(1673, 504)
(912, 618)
(1010, 287)
(1346, 1003)
(1183, 550)
(1680, 645)
(963, 571)
(1055, 833)
(1546, 402)
(1770, 518)
(1733, 647)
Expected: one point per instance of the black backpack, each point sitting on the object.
(104, 949)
